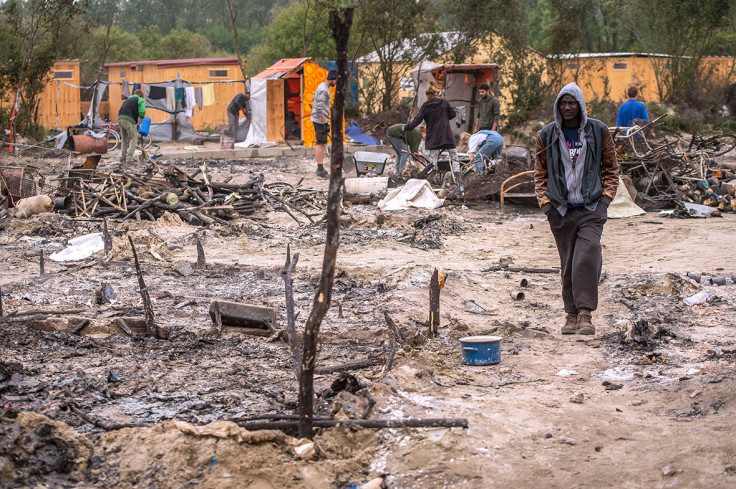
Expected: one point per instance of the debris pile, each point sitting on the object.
(666, 170)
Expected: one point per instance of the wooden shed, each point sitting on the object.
(59, 103)
(290, 87)
(223, 73)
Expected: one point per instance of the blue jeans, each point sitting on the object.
(491, 147)
(399, 146)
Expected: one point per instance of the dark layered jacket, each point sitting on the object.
(436, 114)
(556, 180)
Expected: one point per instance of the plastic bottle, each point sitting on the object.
(698, 298)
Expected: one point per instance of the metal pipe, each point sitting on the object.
(695, 276)
(517, 295)
(718, 280)
(524, 282)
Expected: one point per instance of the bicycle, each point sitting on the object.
(714, 144)
(114, 138)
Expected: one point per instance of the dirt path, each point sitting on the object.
(668, 424)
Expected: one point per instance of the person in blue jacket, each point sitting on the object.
(631, 109)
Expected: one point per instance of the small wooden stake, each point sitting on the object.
(41, 264)
(1, 301)
(150, 320)
(121, 323)
(201, 263)
(434, 304)
(218, 320)
(107, 237)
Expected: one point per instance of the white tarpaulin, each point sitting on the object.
(80, 248)
(622, 205)
(257, 132)
(414, 194)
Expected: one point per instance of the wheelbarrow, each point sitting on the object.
(366, 162)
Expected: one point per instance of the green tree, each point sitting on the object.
(179, 44)
(30, 42)
(505, 26)
(285, 37)
(686, 30)
(122, 47)
(397, 31)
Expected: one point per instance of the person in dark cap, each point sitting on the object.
(321, 119)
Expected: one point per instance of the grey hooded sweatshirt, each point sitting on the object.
(573, 174)
(582, 183)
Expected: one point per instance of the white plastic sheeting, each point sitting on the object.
(257, 132)
(80, 248)
(415, 193)
(622, 205)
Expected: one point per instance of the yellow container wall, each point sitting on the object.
(210, 117)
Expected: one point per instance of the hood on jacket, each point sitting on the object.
(574, 90)
(433, 102)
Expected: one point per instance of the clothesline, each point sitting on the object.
(152, 83)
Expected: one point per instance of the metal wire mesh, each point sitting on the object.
(24, 172)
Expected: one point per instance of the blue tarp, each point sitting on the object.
(353, 132)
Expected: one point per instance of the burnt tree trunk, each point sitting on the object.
(341, 33)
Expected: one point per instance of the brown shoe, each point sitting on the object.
(571, 324)
(585, 323)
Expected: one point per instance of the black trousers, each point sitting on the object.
(578, 237)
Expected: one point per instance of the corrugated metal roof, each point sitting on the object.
(178, 63)
(282, 68)
(608, 55)
(450, 68)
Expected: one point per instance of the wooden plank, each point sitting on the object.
(241, 315)
(275, 109)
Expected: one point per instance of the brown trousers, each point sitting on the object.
(578, 238)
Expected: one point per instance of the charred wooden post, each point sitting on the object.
(201, 263)
(121, 323)
(218, 320)
(434, 301)
(80, 326)
(340, 22)
(150, 320)
(296, 360)
(394, 329)
(107, 237)
(41, 270)
(1, 301)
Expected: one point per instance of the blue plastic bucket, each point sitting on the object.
(481, 350)
(145, 126)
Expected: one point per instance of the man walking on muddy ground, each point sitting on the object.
(575, 178)
(321, 119)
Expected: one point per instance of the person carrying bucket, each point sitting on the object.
(133, 108)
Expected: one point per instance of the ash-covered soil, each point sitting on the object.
(648, 402)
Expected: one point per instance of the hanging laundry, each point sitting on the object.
(125, 91)
(136, 86)
(190, 101)
(144, 89)
(208, 94)
(170, 100)
(156, 92)
(198, 96)
(179, 93)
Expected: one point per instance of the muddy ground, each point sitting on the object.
(650, 401)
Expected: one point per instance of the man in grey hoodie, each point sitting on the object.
(575, 178)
